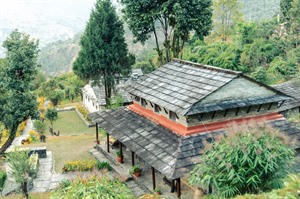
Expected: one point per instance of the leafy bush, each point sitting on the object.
(80, 165)
(83, 111)
(33, 136)
(104, 165)
(134, 169)
(249, 160)
(3, 176)
(39, 126)
(92, 188)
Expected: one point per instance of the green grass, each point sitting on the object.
(73, 143)
(69, 123)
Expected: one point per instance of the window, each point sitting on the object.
(172, 115)
(144, 103)
(136, 98)
(156, 108)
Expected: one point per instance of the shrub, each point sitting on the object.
(21, 168)
(104, 165)
(83, 111)
(79, 165)
(249, 160)
(134, 169)
(33, 136)
(3, 176)
(94, 187)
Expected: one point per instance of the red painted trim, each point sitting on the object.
(184, 130)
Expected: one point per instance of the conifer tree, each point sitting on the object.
(104, 55)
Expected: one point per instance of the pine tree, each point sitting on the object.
(104, 54)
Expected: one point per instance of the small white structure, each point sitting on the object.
(94, 96)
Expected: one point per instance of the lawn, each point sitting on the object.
(73, 143)
(68, 148)
(69, 123)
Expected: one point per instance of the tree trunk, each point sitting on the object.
(160, 56)
(24, 189)
(10, 139)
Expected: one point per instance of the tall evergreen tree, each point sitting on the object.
(104, 54)
(175, 18)
(17, 101)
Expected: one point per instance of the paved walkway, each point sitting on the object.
(17, 141)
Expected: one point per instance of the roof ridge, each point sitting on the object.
(208, 67)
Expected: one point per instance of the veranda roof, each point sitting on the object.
(171, 154)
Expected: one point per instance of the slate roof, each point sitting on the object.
(171, 154)
(180, 85)
(291, 88)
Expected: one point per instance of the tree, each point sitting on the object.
(21, 168)
(247, 160)
(226, 13)
(56, 96)
(175, 18)
(285, 6)
(17, 101)
(104, 55)
(51, 115)
(39, 126)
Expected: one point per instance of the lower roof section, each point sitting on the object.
(170, 154)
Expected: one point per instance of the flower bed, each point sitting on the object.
(84, 165)
(80, 165)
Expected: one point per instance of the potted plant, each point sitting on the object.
(157, 191)
(135, 170)
(119, 157)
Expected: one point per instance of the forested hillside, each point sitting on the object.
(256, 10)
(58, 57)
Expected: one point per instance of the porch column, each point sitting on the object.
(132, 158)
(107, 142)
(97, 134)
(172, 186)
(121, 151)
(153, 178)
(178, 187)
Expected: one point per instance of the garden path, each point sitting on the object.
(17, 141)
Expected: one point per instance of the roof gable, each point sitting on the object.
(239, 92)
(178, 85)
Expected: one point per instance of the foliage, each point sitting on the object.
(104, 54)
(33, 137)
(17, 102)
(248, 160)
(116, 102)
(92, 188)
(260, 74)
(134, 169)
(80, 165)
(3, 176)
(83, 111)
(219, 54)
(66, 86)
(21, 168)
(174, 18)
(39, 126)
(226, 13)
(146, 66)
(118, 154)
(103, 165)
(51, 115)
(56, 97)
